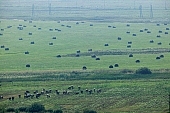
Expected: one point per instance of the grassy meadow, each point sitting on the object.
(57, 43)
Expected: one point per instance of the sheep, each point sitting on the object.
(34, 26)
(77, 55)
(54, 37)
(39, 28)
(30, 33)
(9, 98)
(20, 39)
(48, 96)
(148, 31)
(114, 26)
(158, 36)
(158, 24)
(38, 95)
(2, 29)
(133, 34)
(50, 43)
(19, 96)
(1, 97)
(12, 98)
(91, 24)
(99, 91)
(79, 87)
(145, 29)
(165, 24)
(128, 25)
(81, 91)
(57, 92)
(50, 29)
(109, 26)
(77, 22)
(1, 34)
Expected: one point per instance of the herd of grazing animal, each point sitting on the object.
(71, 90)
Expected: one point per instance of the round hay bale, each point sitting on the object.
(34, 26)
(1, 34)
(116, 65)
(114, 26)
(159, 43)
(106, 44)
(50, 43)
(32, 43)
(29, 33)
(141, 30)
(111, 66)
(28, 65)
(2, 29)
(109, 26)
(130, 42)
(6, 49)
(89, 49)
(128, 25)
(165, 24)
(167, 28)
(77, 23)
(39, 28)
(160, 31)
(128, 46)
(50, 29)
(158, 36)
(58, 56)
(161, 56)
(97, 58)
(137, 61)
(151, 41)
(93, 56)
(148, 31)
(119, 38)
(78, 51)
(157, 58)
(131, 55)
(77, 55)
(166, 32)
(20, 39)
(91, 24)
(54, 37)
(84, 68)
(2, 46)
(145, 29)
(26, 52)
(158, 24)
(133, 34)
(128, 32)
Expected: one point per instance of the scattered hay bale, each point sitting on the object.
(141, 30)
(20, 39)
(39, 28)
(6, 49)
(109, 26)
(1, 34)
(24, 26)
(97, 58)
(77, 23)
(26, 52)
(62, 25)
(59, 30)
(119, 38)
(130, 42)
(158, 24)
(131, 55)
(158, 36)
(2, 29)
(159, 43)
(114, 26)
(160, 31)
(28, 65)
(91, 24)
(34, 26)
(20, 28)
(133, 34)
(30, 33)
(167, 28)
(128, 32)
(145, 29)
(78, 51)
(161, 56)
(106, 44)
(84, 68)
(116, 65)
(111, 66)
(89, 49)
(151, 41)
(148, 31)
(2, 46)
(56, 29)
(82, 22)
(166, 32)
(93, 56)
(50, 43)
(157, 58)
(50, 29)
(68, 26)
(30, 21)
(58, 56)
(77, 55)
(128, 25)
(137, 61)
(32, 43)
(54, 37)
(165, 24)
(128, 46)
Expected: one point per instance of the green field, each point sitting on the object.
(57, 43)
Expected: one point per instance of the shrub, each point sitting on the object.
(143, 70)
(58, 111)
(36, 107)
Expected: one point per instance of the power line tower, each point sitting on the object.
(140, 8)
(32, 9)
(151, 12)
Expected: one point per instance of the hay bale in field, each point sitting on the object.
(131, 55)
(158, 24)
(30, 33)
(148, 31)
(158, 58)
(39, 28)
(91, 24)
(34, 26)
(54, 37)
(109, 26)
(161, 56)
(77, 55)
(151, 41)
(20, 39)
(128, 32)
(116, 65)
(106, 44)
(159, 43)
(68, 26)
(84, 68)
(50, 29)
(167, 28)
(127, 25)
(114, 26)
(158, 36)
(58, 56)
(141, 30)
(137, 61)
(26, 52)
(166, 32)
(119, 38)
(89, 49)
(160, 31)
(1, 34)
(50, 43)
(32, 43)
(28, 65)
(2, 46)
(59, 30)
(111, 66)
(133, 34)
(130, 42)
(97, 58)
(77, 23)
(78, 51)
(93, 56)
(145, 29)
(56, 29)
(62, 25)
(30, 21)
(165, 24)
(24, 26)
(128, 46)
(6, 49)
(2, 29)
